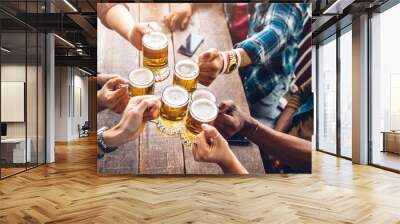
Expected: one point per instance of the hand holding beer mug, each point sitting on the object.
(201, 111)
(210, 146)
(174, 103)
(186, 72)
(141, 82)
(232, 120)
(138, 111)
(155, 54)
(211, 63)
(137, 33)
(113, 95)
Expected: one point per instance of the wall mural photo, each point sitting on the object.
(181, 93)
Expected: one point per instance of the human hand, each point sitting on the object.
(139, 110)
(210, 64)
(113, 95)
(232, 120)
(103, 78)
(210, 146)
(179, 18)
(137, 33)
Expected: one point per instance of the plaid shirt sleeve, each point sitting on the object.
(285, 19)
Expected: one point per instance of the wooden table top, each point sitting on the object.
(153, 152)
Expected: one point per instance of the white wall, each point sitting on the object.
(69, 82)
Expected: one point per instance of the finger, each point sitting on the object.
(208, 67)
(115, 82)
(118, 94)
(173, 22)
(140, 108)
(226, 106)
(210, 132)
(153, 108)
(204, 81)
(201, 142)
(185, 22)
(208, 55)
(221, 129)
(226, 120)
(137, 99)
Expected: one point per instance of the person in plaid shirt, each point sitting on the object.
(266, 59)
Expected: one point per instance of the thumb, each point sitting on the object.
(208, 55)
(210, 133)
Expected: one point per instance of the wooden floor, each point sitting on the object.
(70, 191)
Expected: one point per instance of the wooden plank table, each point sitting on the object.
(153, 152)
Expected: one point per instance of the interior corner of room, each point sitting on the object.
(46, 89)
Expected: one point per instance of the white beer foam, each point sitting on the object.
(155, 40)
(175, 96)
(204, 110)
(202, 93)
(187, 69)
(142, 77)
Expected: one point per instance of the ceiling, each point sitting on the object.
(75, 21)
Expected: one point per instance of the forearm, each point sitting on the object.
(285, 120)
(119, 19)
(233, 167)
(290, 150)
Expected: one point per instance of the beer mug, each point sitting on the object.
(155, 54)
(141, 82)
(201, 111)
(203, 93)
(186, 73)
(174, 103)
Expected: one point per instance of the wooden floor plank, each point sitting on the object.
(70, 191)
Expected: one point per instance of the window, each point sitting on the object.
(326, 96)
(346, 93)
(385, 89)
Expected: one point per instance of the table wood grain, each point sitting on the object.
(153, 152)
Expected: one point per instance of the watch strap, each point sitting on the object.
(102, 145)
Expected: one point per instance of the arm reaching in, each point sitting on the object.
(116, 16)
(293, 151)
(210, 146)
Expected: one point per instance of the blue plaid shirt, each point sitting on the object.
(274, 37)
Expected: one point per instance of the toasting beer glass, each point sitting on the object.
(186, 73)
(141, 82)
(174, 103)
(201, 111)
(155, 54)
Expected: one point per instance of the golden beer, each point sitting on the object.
(141, 82)
(174, 103)
(201, 111)
(155, 54)
(186, 73)
(203, 93)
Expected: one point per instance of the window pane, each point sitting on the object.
(327, 97)
(346, 94)
(385, 84)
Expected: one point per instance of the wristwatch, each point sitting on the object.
(233, 63)
(102, 145)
